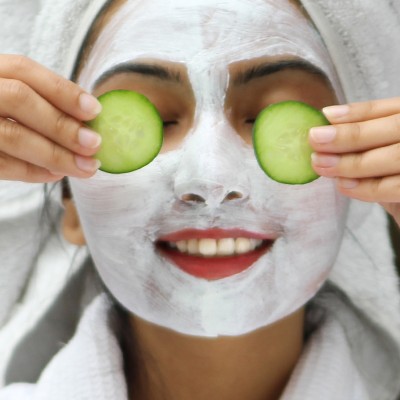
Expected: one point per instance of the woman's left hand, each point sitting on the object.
(361, 149)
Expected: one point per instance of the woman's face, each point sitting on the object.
(201, 240)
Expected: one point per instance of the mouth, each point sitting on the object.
(214, 253)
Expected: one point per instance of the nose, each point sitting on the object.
(211, 169)
(198, 191)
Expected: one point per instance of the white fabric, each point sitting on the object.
(47, 280)
(91, 365)
(14, 37)
(346, 357)
(363, 37)
(326, 369)
(20, 237)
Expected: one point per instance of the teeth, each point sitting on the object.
(242, 246)
(212, 247)
(208, 247)
(193, 246)
(226, 247)
(182, 246)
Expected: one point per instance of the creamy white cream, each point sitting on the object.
(123, 215)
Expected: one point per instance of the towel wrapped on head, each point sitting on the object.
(362, 37)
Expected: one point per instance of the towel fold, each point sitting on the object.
(363, 39)
(91, 365)
(20, 237)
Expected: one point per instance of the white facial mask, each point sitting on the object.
(124, 215)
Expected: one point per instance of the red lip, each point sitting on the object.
(212, 268)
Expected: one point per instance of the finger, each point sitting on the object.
(27, 145)
(18, 170)
(363, 111)
(381, 190)
(64, 94)
(44, 118)
(357, 136)
(383, 161)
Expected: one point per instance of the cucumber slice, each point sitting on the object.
(280, 139)
(131, 129)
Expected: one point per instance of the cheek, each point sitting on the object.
(127, 204)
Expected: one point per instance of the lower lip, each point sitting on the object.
(213, 268)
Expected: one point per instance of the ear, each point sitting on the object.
(71, 225)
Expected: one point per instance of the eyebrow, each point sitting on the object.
(150, 70)
(269, 68)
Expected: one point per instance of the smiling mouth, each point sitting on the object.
(213, 254)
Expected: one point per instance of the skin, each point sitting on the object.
(363, 151)
(255, 366)
(41, 118)
(30, 149)
(252, 366)
(57, 153)
(127, 259)
(188, 362)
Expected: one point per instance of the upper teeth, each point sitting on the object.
(216, 247)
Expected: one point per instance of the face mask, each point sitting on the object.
(211, 186)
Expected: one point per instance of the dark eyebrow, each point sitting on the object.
(151, 70)
(269, 68)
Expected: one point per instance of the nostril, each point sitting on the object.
(233, 196)
(192, 198)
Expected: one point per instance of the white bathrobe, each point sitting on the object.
(354, 352)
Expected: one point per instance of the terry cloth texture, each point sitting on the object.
(20, 238)
(362, 37)
(17, 19)
(91, 365)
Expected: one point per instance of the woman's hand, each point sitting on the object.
(361, 149)
(42, 137)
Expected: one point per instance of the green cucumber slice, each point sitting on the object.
(280, 139)
(131, 129)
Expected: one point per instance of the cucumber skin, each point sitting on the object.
(106, 97)
(321, 120)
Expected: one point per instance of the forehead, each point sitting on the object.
(205, 34)
(182, 31)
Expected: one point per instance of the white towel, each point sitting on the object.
(20, 237)
(91, 365)
(17, 19)
(362, 37)
(367, 65)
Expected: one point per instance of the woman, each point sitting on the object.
(213, 262)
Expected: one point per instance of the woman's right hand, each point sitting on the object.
(42, 137)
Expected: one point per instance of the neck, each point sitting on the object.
(255, 366)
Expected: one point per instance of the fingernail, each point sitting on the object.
(89, 139)
(324, 160)
(89, 104)
(347, 183)
(336, 111)
(323, 134)
(87, 164)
